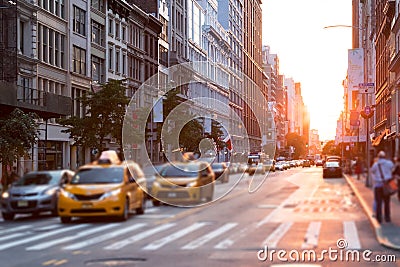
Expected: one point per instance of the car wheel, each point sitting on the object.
(54, 212)
(8, 216)
(65, 219)
(125, 212)
(142, 207)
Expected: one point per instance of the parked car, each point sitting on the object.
(106, 187)
(332, 169)
(306, 163)
(221, 171)
(183, 183)
(279, 165)
(269, 165)
(34, 192)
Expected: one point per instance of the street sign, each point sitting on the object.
(366, 88)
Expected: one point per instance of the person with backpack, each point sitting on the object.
(381, 171)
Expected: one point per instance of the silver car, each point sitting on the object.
(35, 192)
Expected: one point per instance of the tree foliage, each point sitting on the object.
(18, 133)
(331, 149)
(105, 110)
(299, 144)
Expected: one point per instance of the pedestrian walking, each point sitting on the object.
(396, 175)
(381, 171)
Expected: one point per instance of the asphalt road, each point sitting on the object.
(295, 215)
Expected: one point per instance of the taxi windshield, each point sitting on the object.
(180, 170)
(98, 176)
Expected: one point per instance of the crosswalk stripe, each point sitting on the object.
(311, 237)
(4, 238)
(351, 235)
(204, 239)
(272, 240)
(226, 243)
(41, 236)
(15, 229)
(161, 242)
(69, 238)
(138, 237)
(102, 238)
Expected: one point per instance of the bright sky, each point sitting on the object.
(314, 56)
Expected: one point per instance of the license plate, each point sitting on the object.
(172, 194)
(87, 205)
(22, 203)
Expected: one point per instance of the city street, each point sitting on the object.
(294, 210)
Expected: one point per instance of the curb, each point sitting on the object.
(368, 211)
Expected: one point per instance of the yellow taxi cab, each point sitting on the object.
(106, 187)
(184, 183)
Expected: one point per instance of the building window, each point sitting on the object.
(110, 27)
(97, 69)
(98, 4)
(51, 46)
(123, 64)
(79, 60)
(97, 33)
(124, 33)
(110, 58)
(117, 30)
(45, 43)
(79, 20)
(78, 109)
(117, 60)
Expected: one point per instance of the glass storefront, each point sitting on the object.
(50, 155)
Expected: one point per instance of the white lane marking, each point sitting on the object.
(226, 243)
(49, 227)
(41, 236)
(72, 237)
(351, 235)
(4, 238)
(151, 210)
(272, 240)
(205, 238)
(311, 237)
(139, 237)
(15, 229)
(102, 238)
(156, 216)
(161, 242)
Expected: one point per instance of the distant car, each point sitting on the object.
(279, 166)
(221, 171)
(184, 183)
(332, 169)
(306, 163)
(34, 192)
(319, 162)
(269, 165)
(150, 173)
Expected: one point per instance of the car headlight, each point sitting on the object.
(110, 194)
(156, 184)
(192, 184)
(5, 195)
(50, 191)
(68, 194)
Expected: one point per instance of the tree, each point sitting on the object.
(105, 110)
(299, 144)
(18, 133)
(331, 149)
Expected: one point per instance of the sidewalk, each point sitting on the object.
(387, 234)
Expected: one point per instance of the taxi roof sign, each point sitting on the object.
(109, 157)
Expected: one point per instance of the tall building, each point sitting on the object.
(55, 52)
(252, 67)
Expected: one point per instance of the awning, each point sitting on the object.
(377, 140)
